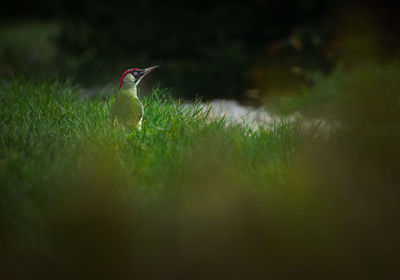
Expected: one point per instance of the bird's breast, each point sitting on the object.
(127, 109)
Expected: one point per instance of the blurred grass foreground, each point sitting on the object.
(192, 198)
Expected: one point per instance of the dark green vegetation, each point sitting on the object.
(187, 197)
(366, 94)
(28, 47)
(211, 49)
(205, 48)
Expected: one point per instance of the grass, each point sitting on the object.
(186, 196)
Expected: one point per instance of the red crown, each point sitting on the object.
(124, 74)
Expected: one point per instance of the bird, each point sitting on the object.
(127, 110)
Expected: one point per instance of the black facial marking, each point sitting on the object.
(137, 74)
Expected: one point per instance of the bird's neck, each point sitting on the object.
(128, 89)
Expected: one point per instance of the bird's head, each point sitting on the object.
(133, 76)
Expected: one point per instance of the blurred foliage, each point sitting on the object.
(236, 49)
(27, 47)
(204, 49)
(366, 94)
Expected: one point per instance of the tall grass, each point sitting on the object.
(185, 197)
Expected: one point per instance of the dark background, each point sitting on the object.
(223, 49)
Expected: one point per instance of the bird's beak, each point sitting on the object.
(148, 70)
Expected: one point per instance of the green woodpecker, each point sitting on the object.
(127, 110)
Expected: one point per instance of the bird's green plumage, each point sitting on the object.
(127, 110)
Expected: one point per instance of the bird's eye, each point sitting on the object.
(135, 73)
